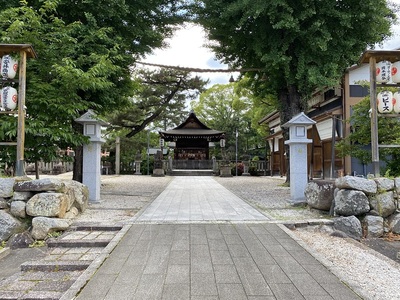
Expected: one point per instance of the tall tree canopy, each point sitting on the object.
(230, 108)
(298, 45)
(160, 97)
(85, 49)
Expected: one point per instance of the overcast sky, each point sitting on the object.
(187, 49)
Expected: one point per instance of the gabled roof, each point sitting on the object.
(191, 128)
(192, 122)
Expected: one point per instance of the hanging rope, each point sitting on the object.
(200, 70)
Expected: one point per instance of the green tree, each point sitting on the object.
(229, 108)
(358, 143)
(159, 100)
(298, 45)
(85, 50)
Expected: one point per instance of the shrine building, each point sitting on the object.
(192, 141)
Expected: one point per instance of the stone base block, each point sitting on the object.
(158, 173)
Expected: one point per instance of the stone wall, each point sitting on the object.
(42, 206)
(361, 207)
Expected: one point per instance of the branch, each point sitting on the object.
(136, 129)
(199, 70)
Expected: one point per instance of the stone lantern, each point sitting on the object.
(298, 155)
(92, 153)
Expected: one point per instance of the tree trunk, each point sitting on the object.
(78, 164)
(36, 169)
(290, 105)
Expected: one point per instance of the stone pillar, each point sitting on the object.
(214, 165)
(92, 153)
(298, 156)
(138, 161)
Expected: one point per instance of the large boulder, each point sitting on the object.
(78, 194)
(319, 194)
(6, 187)
(72, 213)
(47, 205)
(40, 185)
(367, 186)
(373, 226)
(3, 203)
(8, 225)
(397, 185)
(42, 226)
(383, 203)
(394, 223)
(18, 209)
(351, 202)
(20, 240)
(351, 226)
(384, 184)
(22, 196)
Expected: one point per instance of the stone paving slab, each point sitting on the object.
(212, 261)
(198, 198)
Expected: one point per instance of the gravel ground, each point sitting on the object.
(370, 274)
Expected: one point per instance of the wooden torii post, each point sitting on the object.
(372, 57)
(24, 50)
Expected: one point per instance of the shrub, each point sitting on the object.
(240, 169)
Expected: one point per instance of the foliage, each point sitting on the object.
(298, 45)
(85, 49)
(37, 244)
(3, 245)
(253, 171)
(54, 234)
(160, 97)
(129, 147)
(229, 108)
(240, 169)
(357, 144)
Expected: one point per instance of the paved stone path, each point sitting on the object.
(198, 198)
(234, 252)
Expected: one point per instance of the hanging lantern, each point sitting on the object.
(9, 98)
(396, 102)
(396, 72)
(385, 102)
(9, 67)
(383, 71)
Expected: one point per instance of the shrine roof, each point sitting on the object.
(192, 127)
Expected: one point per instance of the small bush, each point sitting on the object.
(253, 171)
(240, 169)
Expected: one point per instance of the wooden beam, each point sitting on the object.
(10, 48)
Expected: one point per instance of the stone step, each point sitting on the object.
(54, 266)
(74, 243)
(192, 172)
(84, 227)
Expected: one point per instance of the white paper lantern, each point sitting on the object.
(385, 102)
(396, 102)
(396, 72)
(383, 71)
(9, 67)
(9, 98)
